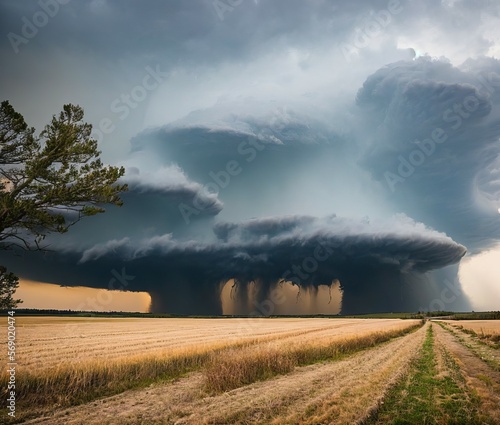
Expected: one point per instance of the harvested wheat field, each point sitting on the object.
(241, 371)
(486, 329)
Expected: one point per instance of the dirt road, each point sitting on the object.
(479, 375)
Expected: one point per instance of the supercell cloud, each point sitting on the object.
(436, 144)
(281, 145)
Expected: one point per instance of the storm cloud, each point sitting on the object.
(436, 144)
(376, 258)
(331, 144)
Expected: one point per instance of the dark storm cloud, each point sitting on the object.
(186, 277)
(381, 265)
(274, 134)
(193, 30)
(401, 242)
(436, 143)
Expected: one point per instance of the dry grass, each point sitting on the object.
(479, 376)
(64, 362)
(340, 392)
(45, 342)
(70, 384)
(239, 367)
(488, 330)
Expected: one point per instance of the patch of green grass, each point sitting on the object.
(486, 379)
(424, 397)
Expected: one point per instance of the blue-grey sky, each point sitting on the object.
(372, 126)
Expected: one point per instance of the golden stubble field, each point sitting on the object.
(46, 343)
(226, 371)
(485, 327)
(73, 361)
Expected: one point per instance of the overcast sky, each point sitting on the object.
(254, 131)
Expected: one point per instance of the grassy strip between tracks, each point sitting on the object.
(431, 393)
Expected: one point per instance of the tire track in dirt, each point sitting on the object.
(343, 391)
(478, 374)
(486, 352)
